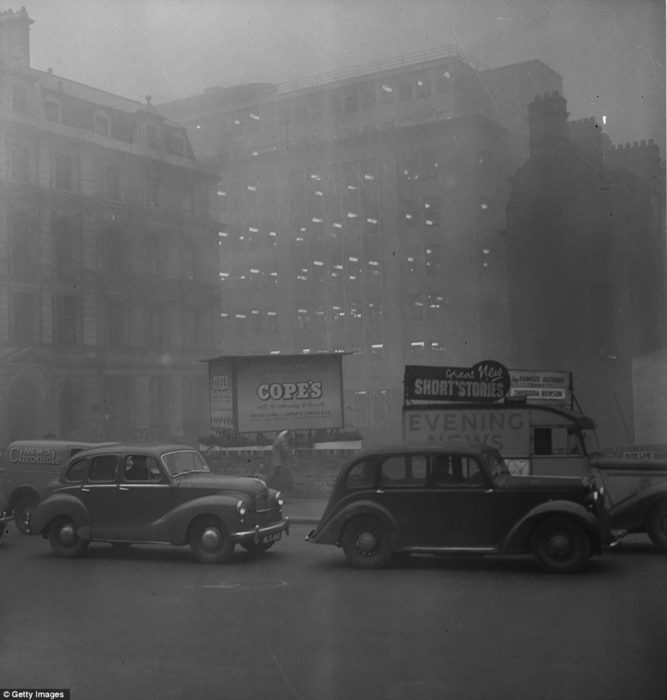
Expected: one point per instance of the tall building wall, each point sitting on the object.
(586, 265)
(108, 283)
(362, 212)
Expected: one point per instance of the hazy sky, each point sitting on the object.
(611, 53)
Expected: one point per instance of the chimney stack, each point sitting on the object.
(15, 39)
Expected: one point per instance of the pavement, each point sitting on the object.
(304, 510)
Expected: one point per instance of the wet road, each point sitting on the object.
(300, 624)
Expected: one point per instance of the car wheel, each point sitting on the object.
(656, 525)
(23, 512)
(65, 540)
(256, 547)
(560, 545)
(366, 543)
(210, 542)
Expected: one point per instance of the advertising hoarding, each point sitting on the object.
(267, 393)
(538, 385)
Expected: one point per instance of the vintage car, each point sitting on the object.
(162, 494)
(431, 499)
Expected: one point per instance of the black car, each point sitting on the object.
(431, 499)
(157, 494)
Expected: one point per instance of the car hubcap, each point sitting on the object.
(366, 543)
(559, 544)
(68, 535)
(210, 539)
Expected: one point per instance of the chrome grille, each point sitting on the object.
(262, 508)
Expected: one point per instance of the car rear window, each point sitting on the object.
(77, 472)
(361, 475)
(404, 470)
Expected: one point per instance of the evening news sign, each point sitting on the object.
(273, 392)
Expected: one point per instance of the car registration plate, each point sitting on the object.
(273, 537)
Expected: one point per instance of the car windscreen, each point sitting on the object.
(184, 462)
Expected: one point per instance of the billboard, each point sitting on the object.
(537, 385)
(485, 381)
(270, 393)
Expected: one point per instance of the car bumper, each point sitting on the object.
(614, 537)
(4, 519)
(262, 534)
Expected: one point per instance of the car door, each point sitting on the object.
(462, 509)
(145, 496)
(402, 490)
(99, 493)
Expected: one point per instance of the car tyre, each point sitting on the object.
(64, 538)
(560, 545)
(656, 525)
(23, 512)
(210, 542)
(366, 542)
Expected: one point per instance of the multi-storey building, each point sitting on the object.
(360, 211)
(108, 283)
(586, 262)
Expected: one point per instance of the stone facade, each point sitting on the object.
(108, 278)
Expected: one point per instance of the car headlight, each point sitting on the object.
(279, 499)
(241, 507)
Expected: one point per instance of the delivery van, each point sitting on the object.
(27, 467)
(533, 439)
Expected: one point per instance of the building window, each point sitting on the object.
(63, 170)
(188, 199)
(175, 143)
(23, 244)
(111, 181)
(20, 98)
(20, 155)
(152, 137)
(65, 321)
(66, 249)
(115, 250)
(158, 390)
(101, 126)
(116, 325)
(152, 190)
(25, 321)
(53, 111)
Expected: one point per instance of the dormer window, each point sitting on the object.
(102, 123)
(152, 137)
(20, 98)
(53, 111)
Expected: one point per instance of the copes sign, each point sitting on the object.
(485, 381)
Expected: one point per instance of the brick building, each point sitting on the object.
(359, 211)
(108, 281)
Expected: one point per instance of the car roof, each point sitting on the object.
(426, 447)
(119, 447)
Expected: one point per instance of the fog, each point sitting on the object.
(609, 52)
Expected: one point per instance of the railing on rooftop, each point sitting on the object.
(377, 67)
